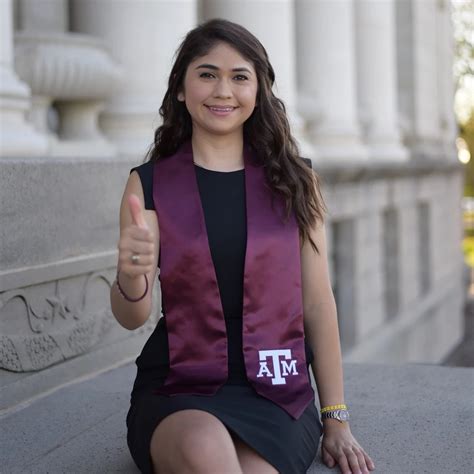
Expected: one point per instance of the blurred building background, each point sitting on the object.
(369, 88)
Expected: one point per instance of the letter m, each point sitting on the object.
(288, 369)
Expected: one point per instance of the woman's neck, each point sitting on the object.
(220, 154)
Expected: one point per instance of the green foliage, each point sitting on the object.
(468, 249)
(467, 133)
(463, 27)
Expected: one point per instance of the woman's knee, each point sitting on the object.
(206, 447)
(193, 441)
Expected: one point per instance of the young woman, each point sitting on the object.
(234, 218)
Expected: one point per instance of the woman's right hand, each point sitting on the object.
(136, 238)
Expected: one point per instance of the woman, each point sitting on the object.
(222, 154)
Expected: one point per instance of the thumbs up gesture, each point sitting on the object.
(136, 239)
(136, 210)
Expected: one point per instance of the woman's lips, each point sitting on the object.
(220, 111)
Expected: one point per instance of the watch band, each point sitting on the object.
(340, 415)
(333, 407)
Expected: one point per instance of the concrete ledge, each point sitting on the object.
(23, 388)
(410, 418)
(343, 171)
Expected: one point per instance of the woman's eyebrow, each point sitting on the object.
(211, 66)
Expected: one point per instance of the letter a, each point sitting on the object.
(264, 368)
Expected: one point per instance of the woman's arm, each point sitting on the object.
(133, 315)
(320, 322)
(322, 332)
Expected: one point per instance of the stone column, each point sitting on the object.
(326, 73)
(376, 78)
(17, 136)
(278, 38)
(445, 48)
(417, 77)
(143, 36)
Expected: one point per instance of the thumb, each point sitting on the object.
(136, 210)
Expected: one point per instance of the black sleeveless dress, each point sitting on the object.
(289, 445)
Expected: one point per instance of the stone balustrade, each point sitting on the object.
(75, 73)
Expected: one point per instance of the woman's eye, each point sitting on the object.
(207, 74)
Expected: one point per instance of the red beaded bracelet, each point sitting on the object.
(133, 300)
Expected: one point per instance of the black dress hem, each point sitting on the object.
(291, 450)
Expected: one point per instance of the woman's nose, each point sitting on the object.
(223, 88)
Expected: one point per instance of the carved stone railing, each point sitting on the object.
(38, 330)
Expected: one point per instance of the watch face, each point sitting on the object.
(344, 415)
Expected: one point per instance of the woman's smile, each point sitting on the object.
(220, 111)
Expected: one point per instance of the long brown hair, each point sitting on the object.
(267, 130)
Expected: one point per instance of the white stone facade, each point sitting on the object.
(369, 93)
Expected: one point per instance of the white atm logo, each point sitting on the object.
(286, 368)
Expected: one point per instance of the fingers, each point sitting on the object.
(144, 265)
(365, 461)
(136, 210)
(360, 460)
(145, 250)
(327, 458)
(351, 460)
(137, 246)
(357, 461)
(135, 270)
(344, 464)
(349, 463)
(368, 460)
(132, 245)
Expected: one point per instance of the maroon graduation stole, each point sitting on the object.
(273, 332)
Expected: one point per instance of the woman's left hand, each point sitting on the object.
(339, 446)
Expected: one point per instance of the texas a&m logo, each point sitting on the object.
(281, 368)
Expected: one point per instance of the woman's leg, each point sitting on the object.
(193, 442)
(250, 461)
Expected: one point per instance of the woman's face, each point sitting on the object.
(221, 78)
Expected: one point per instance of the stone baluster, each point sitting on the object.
(70, 76)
